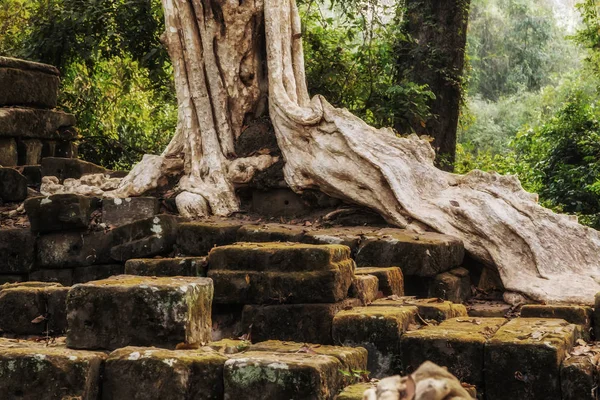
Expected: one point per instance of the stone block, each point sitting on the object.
(147, 373)
(197, 238)
(356, 391)
(263, 273)
(454, 285)
(183, 266)
(522, 360)
(490, 309)
(74, 249)
(51, 373)
(66, 149)
(347, 236)
(140, 311)
(227, 321)
(578, 315)
(48, 148)
(16, 251)
(65, 168)
(96, 272)
(378, 329)
(261, 376)
(36, 124)
(457, 344)
(145, 238)
(25, 86)
(29, 151)
(391, 280)
(116, 212)
(33, 173)
(579, 378)
(64, 276)
(13, 185)
(423, 255)
(8, 152)
(365, 288)
(59, 212)
(270, 233)
(13, 278)
(278, 203)
(429, 309)
(33, 310)
(304, 323)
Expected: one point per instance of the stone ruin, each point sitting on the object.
(124, 299)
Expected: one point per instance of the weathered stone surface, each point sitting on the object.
(197, 238)
(13, 278)
(25, 65)
(597, 316)
(16, 251)
(96, 272)
(578, 315)
(227, 321)
(64, 276)
(259, 376)
(378, 329)
(66, 149)
(263, 273)
(579, 378)
(522, 360)
(183, 266)
(74, 249)
(118, 212)
(36, 372)
(365, 288)
(33, 173)
(36, 124)
(59, 212)
(29, 151)
(65, 168)
(270, 233)
(278, 203)
(131, 310)
(146, 373)
(229, 346)
(49, 148)
(429, 309)
(8, 152)
(355, 392)
(416, 254)
(28, 84)
(305, 323)
(32, 309)
(348, 236)
(454, 285)
(13, 185)
(391, 281)
(457, 344)
(145, 238)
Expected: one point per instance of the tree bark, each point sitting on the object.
(435, 56)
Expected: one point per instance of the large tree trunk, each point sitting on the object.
(435, 56)
(217, 61)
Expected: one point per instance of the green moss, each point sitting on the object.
(355, 392)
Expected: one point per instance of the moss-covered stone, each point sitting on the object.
(365, 288)
(270, 233)
(230, 346)
(64, 276)
(96, 272)
(183, 266)
(356, 391)
(457, 344)
(305, 323)
(489, 309)
(23, 85)
(146, 373)
(429, 309)
(268, 376)
(425, 254)
(391, 280)
(573, 314)
(197, 238)
(579, 378)
(59, 212)
(347, 236)
(454, 285)
(143, 311)
(522, 361)
(34, 371)
(16, 251)
(378, 329)
(74, 249)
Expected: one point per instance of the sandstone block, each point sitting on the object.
(26, 86)
(304, 323)
(278, 203)
(146, 373)
(64, 168)
(429, 309)
(118, 212)
(263, 273)
(391, 281)
(227, 321)
(145, 238)
(29, 151)
(522, 360)
(457, 344)
(270, 233)
(49, 373)
(495, 309)
(13, 185)
(74, 249)
(183, 266)
(16, 251)
(59, 212)
(355, 392)
(579, 378)
(578, 315)
(130, 310)
(66, 149)
(33, 173)
(454, 285)
(36, 124)
(378, 329)
(64, 276)
(96, 272)
(365, 288)
(416, 254)
(8, 152)
(48, 148)
(197, 238)
(4, 279)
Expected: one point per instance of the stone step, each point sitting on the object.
(391, 280)
(139, 311)
(430, 310)
(182, 266)
(578, 315)
(60, 212)
(117, 212)
(21, 122)
(365, 288)
(580, 374)
(26, 83)
(198, 238)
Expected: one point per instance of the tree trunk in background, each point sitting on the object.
(436, 56)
